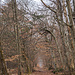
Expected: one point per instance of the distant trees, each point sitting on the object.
(47, 33)
(16, 30)
(66, 30)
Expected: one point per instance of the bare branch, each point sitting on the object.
(48, 7)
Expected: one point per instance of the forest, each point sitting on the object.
(37, 37)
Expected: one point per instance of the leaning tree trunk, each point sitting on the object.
(61, 59)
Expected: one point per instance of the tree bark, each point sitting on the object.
(69, 37)
(16, 30)
(61, 28)
(72, 26)
(3, 69)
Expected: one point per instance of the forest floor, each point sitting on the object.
(42, 73)
(46, 72)
(39, 72)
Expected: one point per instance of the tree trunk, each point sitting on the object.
(16, 30)
(3, 69)
(61, 28)
(72, 25)
(69, 37)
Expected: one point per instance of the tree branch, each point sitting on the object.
(48, 7)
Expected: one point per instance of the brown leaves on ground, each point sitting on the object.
(43, 73)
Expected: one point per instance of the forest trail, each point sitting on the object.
(42, 73)
(39, 73)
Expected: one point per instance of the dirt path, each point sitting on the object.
(42, 73)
